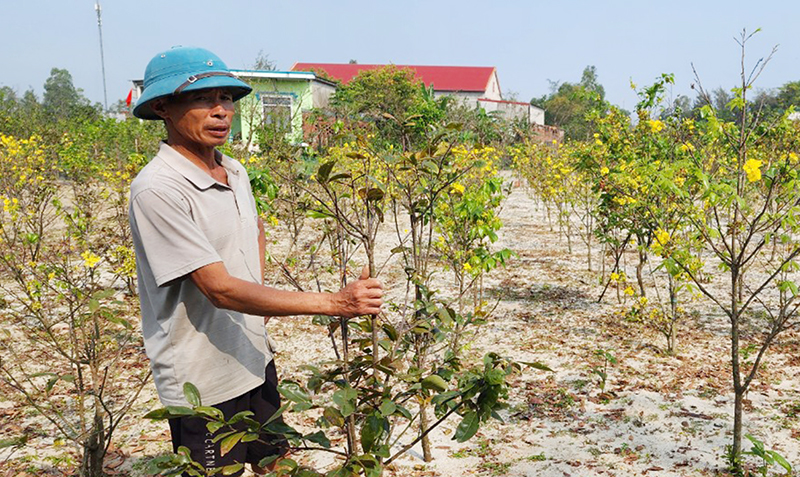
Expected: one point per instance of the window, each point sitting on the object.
(277, 110)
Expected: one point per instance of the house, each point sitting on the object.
(278, 96)
(476, 85)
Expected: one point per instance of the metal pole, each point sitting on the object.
(102, 58)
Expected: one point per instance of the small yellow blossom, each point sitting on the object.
(686, 147)
(615, 276)
(90, 260)
(642, 300)
(662, 236)
(457, 188)
(629, 291)
(753, 169)
(467, 267)
(655, 125)
(604, 170)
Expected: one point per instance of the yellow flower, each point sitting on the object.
(642, 300)
(467, 267)
(753, 169)
(629, 291)
(655, 125)
(793, 158)
(687, 147)
(604, 170)
(457, 188)
(662, 236)
(273, 220)
(90, 260)
(615, 276)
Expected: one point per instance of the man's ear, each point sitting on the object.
(159, 106)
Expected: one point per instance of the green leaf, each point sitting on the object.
(536, 365)
(103, 294)
(209, 411)
(94, 305)
(371, 432)
(214, 426)
(232, 469)
(320, 438)
(390, 331)
(293, 392)
(371, 194)
(117, 320)
(346, 400)
(229, 442)
(441, 398)
(13, 442)
(325, 171)
(270, 459)
(467, 427)
(781, 461)
(340, 176)
(192, 394)
(387, 407)
(404, 412)
(435, 382)
(495, 377)
(446, 315)
(169, 412)
(241, 416)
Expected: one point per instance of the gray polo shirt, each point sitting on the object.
(182, 219)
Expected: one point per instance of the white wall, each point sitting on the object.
(513, 110)
(321, 93)
(493, 88)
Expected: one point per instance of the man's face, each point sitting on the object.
(202, 117)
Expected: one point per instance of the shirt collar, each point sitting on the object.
(189, 170)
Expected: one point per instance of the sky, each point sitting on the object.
(531, 43)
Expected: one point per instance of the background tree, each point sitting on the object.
(62, 100)
(568, 104)
(392, 101)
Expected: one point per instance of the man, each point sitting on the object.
(200, 253)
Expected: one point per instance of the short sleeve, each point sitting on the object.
(171, 241)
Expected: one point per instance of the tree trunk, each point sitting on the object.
(736, 451)
(738, 387)
(423, 405)
(94, 449)
(424, 424)
(673, 318)
(639, 268)
(589, 248)
(350, 423)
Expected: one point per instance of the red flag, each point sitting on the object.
(129, 98)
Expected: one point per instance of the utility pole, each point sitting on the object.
(102, 57)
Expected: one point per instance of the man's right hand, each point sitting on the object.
(361, 297)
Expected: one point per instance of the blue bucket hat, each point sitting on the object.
(185, 68)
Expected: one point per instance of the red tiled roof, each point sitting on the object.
(443, 78)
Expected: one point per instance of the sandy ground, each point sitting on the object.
(658, 415)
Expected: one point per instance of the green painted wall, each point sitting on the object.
(249, 110)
